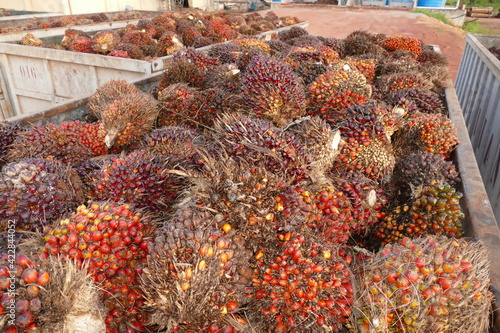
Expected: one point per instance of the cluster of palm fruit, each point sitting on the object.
(75, 20)
(166, 34)
(268, 166)
(424, 285)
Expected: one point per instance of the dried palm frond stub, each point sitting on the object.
(431, 284)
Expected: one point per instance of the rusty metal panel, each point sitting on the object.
(478, 91)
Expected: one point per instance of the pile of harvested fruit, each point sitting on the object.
(74, 20)
(299, 184)
(165, 34)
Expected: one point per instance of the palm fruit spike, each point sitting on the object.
(70, 301)
(426, 101)
(182, 72)
(336, 90)
(8, 132)
(367, 149)
(125, 121)
(196, 57)
(105, 41)
(111, 242)
(272, 91)
(179, 143)
(433, 210)
(303, 286)
(422, 169)
(21, 281)
(30, 40)
(309, 72)
(81, 44)
(70, 35)
(108, 92)
(433, 133)
(169, 43)
(71, 142)
(140, 179)
(197, 271)
(297, 55)
(189, 34)
(403, 43)
(367, 200)
(431, 284)
(319, 139)
(256, 139)
(33, 192)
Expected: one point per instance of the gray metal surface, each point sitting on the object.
(478, 90)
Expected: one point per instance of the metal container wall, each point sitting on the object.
(478, 90)
(34, 78)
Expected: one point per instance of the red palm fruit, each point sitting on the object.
(105, 41)
(81, 44)
(403, 43)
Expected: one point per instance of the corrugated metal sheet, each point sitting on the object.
(478, 91)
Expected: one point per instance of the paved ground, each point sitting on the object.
(335, 21)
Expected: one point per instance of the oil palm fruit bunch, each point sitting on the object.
(139, 38)
(396, 62)
(432, 210)
(336, 90)
(250, 42)
(308, 72)
(71, 142)
(70, 35)
(389, 83)
(111, 242)
(430, 284)
(176, 104)
(293, 32)
(108, 92)
(272, 91)
(8, 132)
(179, 143)
(302, 285)
(31, 40)
(322, 210)
(403, 43)
(201, 60)
(422, 169)
(226, 77)
(105, 41)
(361, 42)
(146, 25)
(197, 271)
(169, 43)
(182, 72)
(391, 117)
(124, 121)
(189, 34)
(297, 55)
(225, 53)
(277, 46)
(319, 140)
(81, 44)
(433, 133)
(131, 51)
(35, 191)
(426, 101)
(367, 149)
(21, 282)
(141, 179)
(255, 139)
(50, 295)
(246, 56)
(367, 199)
